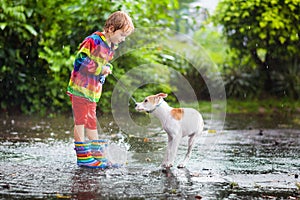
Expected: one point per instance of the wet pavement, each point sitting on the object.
(254, 157)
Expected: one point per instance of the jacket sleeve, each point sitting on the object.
(84, 64)
(85, 61)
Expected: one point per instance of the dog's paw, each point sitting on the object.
(180, 166)
(167, 165)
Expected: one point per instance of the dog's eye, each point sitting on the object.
(146, 100)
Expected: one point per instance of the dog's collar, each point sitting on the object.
(151, 111)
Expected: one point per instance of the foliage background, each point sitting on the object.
(264, 41)
(39, 40)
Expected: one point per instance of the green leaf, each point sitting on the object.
(242, 30)
(282, 39)
(3, 25)
(262, 35)
(30, 29)
(294, 37)
(245, 14)
(227, 18)
(263, 24)
(55, 68)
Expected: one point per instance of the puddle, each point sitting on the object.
(250, 159)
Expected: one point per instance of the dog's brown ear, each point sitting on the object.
(162, 95)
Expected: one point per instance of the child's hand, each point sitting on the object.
(106, 71)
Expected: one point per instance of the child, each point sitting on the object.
(91, 66)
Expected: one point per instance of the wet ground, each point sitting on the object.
(254, 157)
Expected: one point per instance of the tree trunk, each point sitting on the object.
(264, 70)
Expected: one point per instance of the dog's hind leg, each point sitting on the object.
(191, 143)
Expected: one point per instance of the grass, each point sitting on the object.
(265, 106)
(256, 106)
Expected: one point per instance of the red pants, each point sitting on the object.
(84, 112)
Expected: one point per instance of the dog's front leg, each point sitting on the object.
(167, 160)
(173, 143)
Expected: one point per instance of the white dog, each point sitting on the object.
(177, 122)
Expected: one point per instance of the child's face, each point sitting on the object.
(119, 36)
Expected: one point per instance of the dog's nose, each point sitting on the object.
(135, 105)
